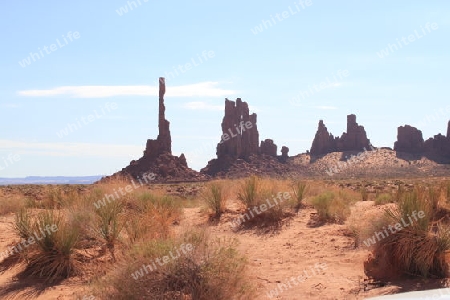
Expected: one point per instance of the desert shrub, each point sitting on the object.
(265, 205)
(418, 247)
(205, 269)
(383, 198)
(248, 191)
(51, 241)
(215, 197)
(364, 193)
(299, 189)
(109, 223)
(331, 207)
(151, 216)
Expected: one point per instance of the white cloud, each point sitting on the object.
(71, 149)
(199, 105)
(202, 89)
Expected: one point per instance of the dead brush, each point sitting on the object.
(213, 269)
(416, 249)
(50, 256)
(265, 205)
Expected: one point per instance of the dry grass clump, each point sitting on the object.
(383, 198)
(215, 195)
(151, 216)
(333, 206)
(195, 267)
(50, 242)
(299, 188)
(266, 205)
(418, 247)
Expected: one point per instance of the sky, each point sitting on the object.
(78, 79)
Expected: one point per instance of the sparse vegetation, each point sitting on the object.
(332, 207)
(383, 198)
(215, 197)
(299, 188)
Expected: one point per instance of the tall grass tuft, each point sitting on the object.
(109, 223)
(331, 207)
(249, 191)
(215, 197)
(299, 188)
(50, 255)
(418, 248)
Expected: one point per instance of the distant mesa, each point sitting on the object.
(355, 139)
(158, 158)
(240, 142)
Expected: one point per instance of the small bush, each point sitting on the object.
(418, 248)
(332, 208)
(382, 199)
(299, 188)
(50, 255)
(249, 192)
(213, 269)
(109, 223)
(215, 198)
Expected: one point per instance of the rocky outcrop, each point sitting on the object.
(268, 148)
(409, 140)
(240, 136)
(240, 142)
(158, 163)
(323, 142)
(355, 139)
(284, 153)
(438, 146)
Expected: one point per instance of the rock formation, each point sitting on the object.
(268, 148)
(240, 136)
(409, 140)
(284, 154)
(323, 142)
(158, 159)
(239, 144)
(355, 139)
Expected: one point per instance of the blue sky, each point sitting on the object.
(102, 59)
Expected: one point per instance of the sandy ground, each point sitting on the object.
(322, 260)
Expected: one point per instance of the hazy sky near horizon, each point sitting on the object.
(79, 79)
